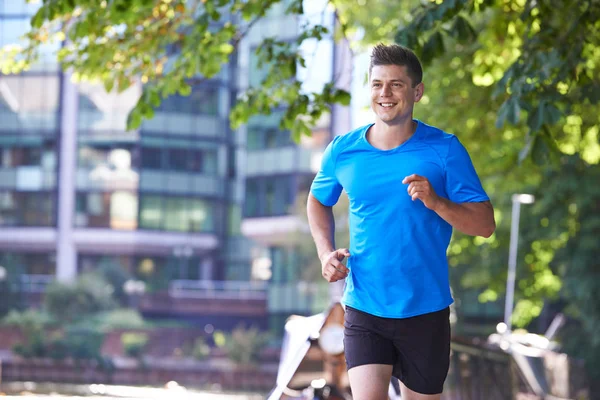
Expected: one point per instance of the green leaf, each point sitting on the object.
(463, 30)
(109, 84)
(185, 89)
(502, 114)
(433, 47)
(342, 97)
(154, 98)
(531, 137)
(406, 38)
(552, 113)
(38, 19)
(299, 129)
(509, 111)
(134, 119)
(539, 151)
(536, 118)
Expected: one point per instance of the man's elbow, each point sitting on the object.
(489, 229)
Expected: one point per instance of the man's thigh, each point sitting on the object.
(370, 381)
(370, 354)
(423, 347)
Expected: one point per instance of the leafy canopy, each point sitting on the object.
(548, 60)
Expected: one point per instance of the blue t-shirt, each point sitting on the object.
(398, 263)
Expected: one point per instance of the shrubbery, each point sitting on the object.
(134, 343)
(243, 345)
(74, 319)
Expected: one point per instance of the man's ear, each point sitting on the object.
(419, 90)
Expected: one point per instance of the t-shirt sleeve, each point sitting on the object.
(325, 186)
(462, 183)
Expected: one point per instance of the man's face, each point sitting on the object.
(392, 93)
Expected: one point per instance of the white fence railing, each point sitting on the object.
(234, 290)
(31, 283)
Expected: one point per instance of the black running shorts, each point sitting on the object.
(418, 347)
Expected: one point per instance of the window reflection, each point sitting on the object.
(29, 102)
(180, 214)
(17, 7)
(202, 100)
(29, 262)
(16, 25)
(104, 166)
(115, 210)
(181, 159)
(26, 208)
(100, 111)
(268, 196)
(260, 138)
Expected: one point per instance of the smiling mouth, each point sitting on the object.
(387, 105)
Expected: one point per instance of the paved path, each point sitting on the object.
(97, 392)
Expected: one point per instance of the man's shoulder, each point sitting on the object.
(434, 134)
(437, 139)
(350, 139)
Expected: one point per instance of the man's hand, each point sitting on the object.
(332, 268)
(420, 188)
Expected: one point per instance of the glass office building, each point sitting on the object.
(277, 169)
(77, 190)
(182, 197)
(30, 120)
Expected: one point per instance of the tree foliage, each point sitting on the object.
(541, 56)
(170, 45)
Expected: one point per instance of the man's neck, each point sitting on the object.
(386, 136)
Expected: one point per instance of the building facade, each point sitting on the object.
(180, 202)
(278, 171)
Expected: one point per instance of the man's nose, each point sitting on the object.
(385, 90)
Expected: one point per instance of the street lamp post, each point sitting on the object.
(517, 200)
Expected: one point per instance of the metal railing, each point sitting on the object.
(32, 283)
(231, 290)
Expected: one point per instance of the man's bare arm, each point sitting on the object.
(322, 228)
(476, 219)
(322, 225)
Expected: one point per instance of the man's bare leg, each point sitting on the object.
(408, 394)
(370, 382)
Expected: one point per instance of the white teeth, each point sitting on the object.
(387, 104)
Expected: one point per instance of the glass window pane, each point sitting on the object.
(270, 197)
(98, 206)
(252, 199)
(17, 7)
(177, 159)
(26, 208)
(29, 102)
(201, 216)
(210, 162)
(151, 212)
(123, 210)
(176, 214)
(195, 161)
(152, 158)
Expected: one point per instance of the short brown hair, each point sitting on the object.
(395, 54)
